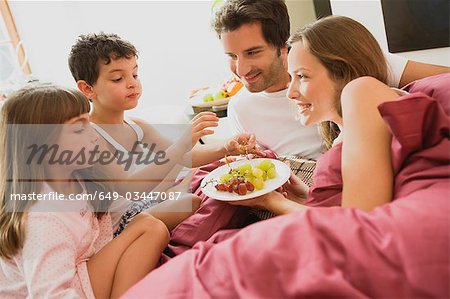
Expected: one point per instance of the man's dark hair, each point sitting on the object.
(272, 14)
(92, 49)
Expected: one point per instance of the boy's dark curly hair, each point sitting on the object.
(92, 49)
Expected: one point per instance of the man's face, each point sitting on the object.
(259, 65)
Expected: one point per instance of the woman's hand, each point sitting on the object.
(243, 144)
(284, 200)
(274, 202)
(295, 189)
(265, 201)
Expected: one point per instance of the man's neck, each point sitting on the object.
(281, 84)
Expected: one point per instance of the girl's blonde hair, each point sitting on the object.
(41, 104)
(348, 51)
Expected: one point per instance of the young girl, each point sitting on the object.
(62, 248)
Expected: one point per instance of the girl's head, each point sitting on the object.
(42, 115)
(32, 116)
(44, 104)
(324, 57)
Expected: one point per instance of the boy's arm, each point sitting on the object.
(151, 135)
(203, 154)
(144, 180)
(417, 70)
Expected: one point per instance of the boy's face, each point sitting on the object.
(118, 87)
(255, 61)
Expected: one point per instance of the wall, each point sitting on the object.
(370, 14)
(178, 49)
(301, 12)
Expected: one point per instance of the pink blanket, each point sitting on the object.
(400, 249)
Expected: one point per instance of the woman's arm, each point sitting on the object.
(366, 153)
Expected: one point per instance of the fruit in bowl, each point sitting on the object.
(221, 94)
(215, 96)
(208, 98)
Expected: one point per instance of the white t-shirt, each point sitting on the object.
(272, 118)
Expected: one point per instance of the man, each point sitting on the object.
(254, 35)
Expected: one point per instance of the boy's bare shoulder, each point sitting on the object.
(151, 133)
(145, 126)
(141, 123)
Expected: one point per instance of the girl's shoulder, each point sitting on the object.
(69, 220)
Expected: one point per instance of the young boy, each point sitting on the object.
(106, 70)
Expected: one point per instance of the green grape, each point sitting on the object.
(224, 178)
(264, 176)
(208, 98)
(258, 183)
(271, 173)
(245, 168)
(265, 165)
(249, 177)
(257, 173)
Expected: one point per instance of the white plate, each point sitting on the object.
(283, 173)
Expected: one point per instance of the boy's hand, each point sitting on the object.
(243, 144)
(200, 123)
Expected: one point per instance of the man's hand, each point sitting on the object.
(243, 144)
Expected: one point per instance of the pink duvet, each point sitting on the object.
(400, 249)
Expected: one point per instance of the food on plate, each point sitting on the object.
(214, 96)
(221, 94)
(208, 98)
(232, 86)
(245, 178)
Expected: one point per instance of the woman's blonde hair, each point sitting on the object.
(37, 105)
(348, 51)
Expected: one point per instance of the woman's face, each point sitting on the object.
(311, 87)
